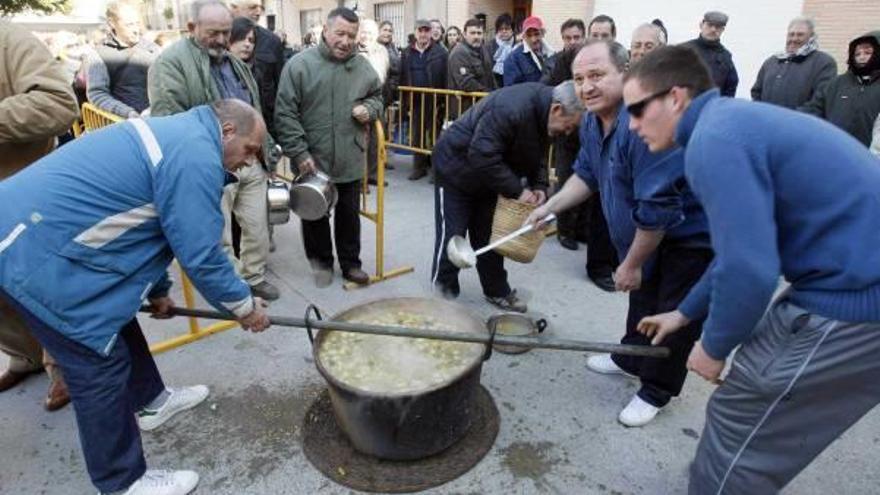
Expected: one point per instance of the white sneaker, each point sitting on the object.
(637, 413)
(162, 482)
(602, 363)
(180, 400)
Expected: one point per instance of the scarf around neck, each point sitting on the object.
(807, 48)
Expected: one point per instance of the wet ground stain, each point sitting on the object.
(244, 434)
(529, 460)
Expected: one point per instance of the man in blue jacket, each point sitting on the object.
(785, 194)
(527, 61)
(86, 236)
(655, 223)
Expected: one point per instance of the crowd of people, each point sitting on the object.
(691, 201)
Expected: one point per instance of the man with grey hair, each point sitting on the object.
(198, 70)
(489, 151)
(645, 38)
(656, 224)
(791, 77)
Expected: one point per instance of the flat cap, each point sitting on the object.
(422, 23)
(715, 17)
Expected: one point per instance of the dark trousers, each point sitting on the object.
(571, 223)
(676, 270)
(346, 230)
(106, 392)
(458, 213)
(601, 255)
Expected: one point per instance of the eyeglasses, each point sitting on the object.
(637, 109)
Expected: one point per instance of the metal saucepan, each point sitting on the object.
(278, 197)
(462, 255)
(515, 324)
(313, 196)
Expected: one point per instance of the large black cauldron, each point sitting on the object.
(406, 426)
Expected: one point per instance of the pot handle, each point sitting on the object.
(312, 308)
(493, 329)
(541, 325)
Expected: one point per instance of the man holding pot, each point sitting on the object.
(493, 149)
(327, 99)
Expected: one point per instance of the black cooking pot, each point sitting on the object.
(410, 425)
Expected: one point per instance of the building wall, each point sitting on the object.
(839, 21)
(555, 12)
(755, 31)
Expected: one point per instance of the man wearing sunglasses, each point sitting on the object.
(770, 180)
(656, 225)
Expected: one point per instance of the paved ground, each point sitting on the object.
(558, 431)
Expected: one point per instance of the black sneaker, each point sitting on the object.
(604, 282)
(568, 243)
(510, 302)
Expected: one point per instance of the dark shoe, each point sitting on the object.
(510, 302)
(10, 379)
(266, 291)
(604, 282)
(447, 293)
(58, 396)
(357, 276)
(568, 242)
(417, 174)
(373, 182)
(323, 277)
(389, 166)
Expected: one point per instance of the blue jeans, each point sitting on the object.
(106, 392)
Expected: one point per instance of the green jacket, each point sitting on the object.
(313, 111)
(180, 79)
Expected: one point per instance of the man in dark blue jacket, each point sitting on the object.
(423, 64)
(528, 60)
(655, 223)
(785, 194)
(493, 149)
(714, 54)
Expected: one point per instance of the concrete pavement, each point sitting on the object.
(558, 435)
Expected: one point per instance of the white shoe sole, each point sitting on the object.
(610, 372)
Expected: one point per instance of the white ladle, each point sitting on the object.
(462, 255)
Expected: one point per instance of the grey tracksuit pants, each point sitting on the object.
(794, 387)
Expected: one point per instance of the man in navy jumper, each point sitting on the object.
(656, 225)
(785, 194)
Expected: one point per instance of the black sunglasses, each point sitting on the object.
(637, 109)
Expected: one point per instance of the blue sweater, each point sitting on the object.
(785, 193)
(639, 189)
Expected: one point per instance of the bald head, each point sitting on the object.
(644, 39)
(243, 132)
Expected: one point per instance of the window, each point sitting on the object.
(392, 11)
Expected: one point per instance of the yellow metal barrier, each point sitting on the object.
(94, 118)
(443, 105)
(378, 215)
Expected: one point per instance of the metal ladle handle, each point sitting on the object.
(516, 233)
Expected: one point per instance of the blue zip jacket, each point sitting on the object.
(519, 67)
(785, 193)
(639, 189)
(87, 232)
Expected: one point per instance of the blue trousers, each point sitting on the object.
(106, 392)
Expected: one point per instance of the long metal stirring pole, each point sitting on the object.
(425, 333)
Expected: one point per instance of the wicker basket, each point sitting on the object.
(509, 216)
